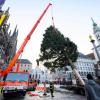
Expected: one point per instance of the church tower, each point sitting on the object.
(8, 40)
(96, 31)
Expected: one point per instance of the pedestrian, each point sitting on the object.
(45, 94)
(51, 89)
(35, 84)
(97, 80)
(38, 81)
(92, 89)
(1, 89)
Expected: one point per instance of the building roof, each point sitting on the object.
(88, 56)
(82, 55)
(91, 55)
(24, 61)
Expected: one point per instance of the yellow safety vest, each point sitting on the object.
(1, 89)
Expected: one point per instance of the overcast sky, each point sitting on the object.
(71, 17)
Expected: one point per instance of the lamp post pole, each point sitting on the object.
(97, 69)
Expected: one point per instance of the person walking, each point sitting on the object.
(51, 89)
(1, 89)
(97, 80)
(92, 89)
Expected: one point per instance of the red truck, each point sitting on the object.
(15, 82)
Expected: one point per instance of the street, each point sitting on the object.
(58, 96)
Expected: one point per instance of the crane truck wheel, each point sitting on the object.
(24, 93)
(5, 95)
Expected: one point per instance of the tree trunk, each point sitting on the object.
(75, 72)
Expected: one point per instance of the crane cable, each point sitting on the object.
(53, 24)
(52, 19)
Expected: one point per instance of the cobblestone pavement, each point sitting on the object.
(58, 96)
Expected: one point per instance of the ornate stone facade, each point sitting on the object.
(8, 39)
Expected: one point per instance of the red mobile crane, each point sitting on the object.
(18, 81)
(15, 58)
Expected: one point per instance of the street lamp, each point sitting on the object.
(97, 68)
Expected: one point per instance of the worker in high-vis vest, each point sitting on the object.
(51, 89)
(1, 89)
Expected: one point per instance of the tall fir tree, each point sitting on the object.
(57, 50)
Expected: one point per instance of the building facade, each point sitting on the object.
(84, 65)
(41, 73)
(23, 65)
(8, 39)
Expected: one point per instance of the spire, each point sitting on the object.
(94, 24)
(13, 37)
(9, 32)
(7, 11)
(15, 33)
(8, 26)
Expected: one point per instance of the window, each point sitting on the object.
(17, 76)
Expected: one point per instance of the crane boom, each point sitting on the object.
(15, 58)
